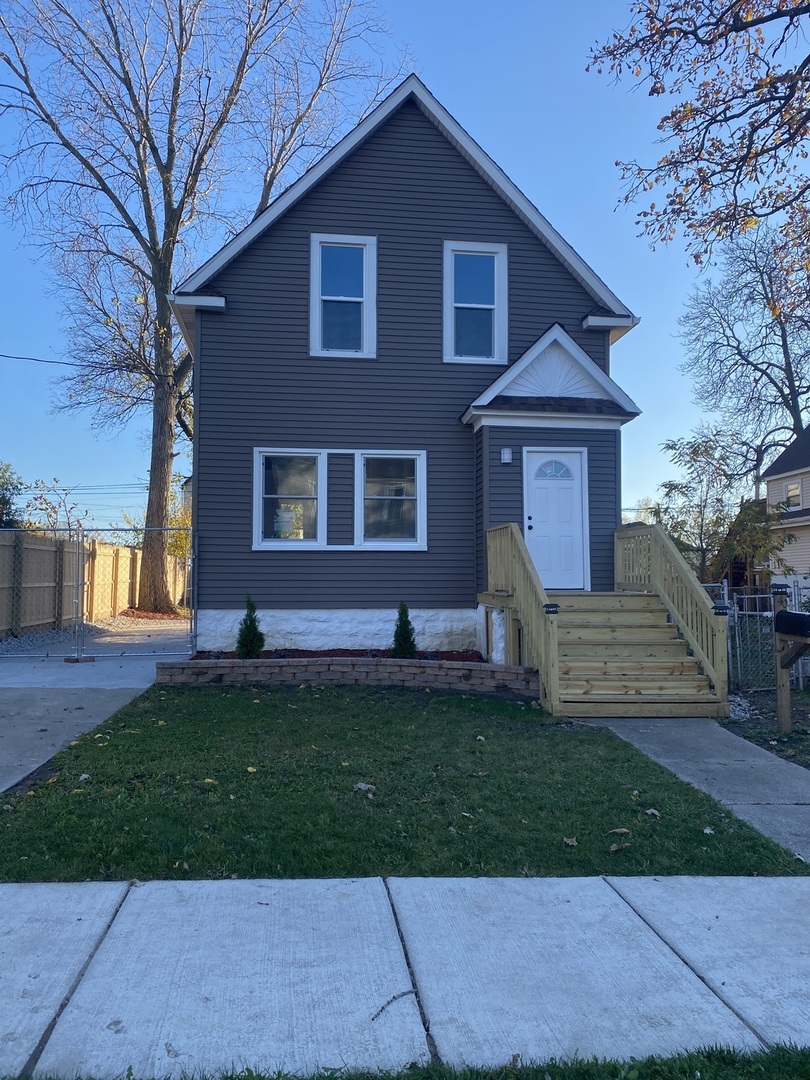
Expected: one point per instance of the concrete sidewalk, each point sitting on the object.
(768, 792)
(174, 978)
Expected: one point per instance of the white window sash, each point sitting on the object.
(368, 302)
(500, 309)
(262, 543)
(419, 542)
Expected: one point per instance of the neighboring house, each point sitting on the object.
(788, 480)
(397, 354)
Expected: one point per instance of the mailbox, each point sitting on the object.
(793, 624)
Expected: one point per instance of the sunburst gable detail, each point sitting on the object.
(556, 367)
(553, 374)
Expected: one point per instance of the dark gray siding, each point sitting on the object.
(506, 486)
(340, 505)
(257, 385)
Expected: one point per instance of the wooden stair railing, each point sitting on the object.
(647, 560)
(515, 588)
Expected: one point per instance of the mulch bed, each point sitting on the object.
(134, 613)
(756, 722)
(470, 657)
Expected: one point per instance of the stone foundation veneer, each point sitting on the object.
(515, 682)
(437, 630)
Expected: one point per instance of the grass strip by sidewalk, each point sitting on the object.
(220, 782)
(779, 1063)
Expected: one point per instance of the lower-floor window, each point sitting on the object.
(289, 488)
(390, 498)
(291, 504)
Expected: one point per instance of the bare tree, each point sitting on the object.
(142, 129)
(747, 345)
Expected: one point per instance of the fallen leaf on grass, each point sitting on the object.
(709, 830)
(30, 794)
(619, 832)
(364, 789)
(480, 738)
(618, 847)
(251, 768)
(208, 780)
(161, 723)
(652, 812)
(55, 777)
(84, 776)
(571, 841)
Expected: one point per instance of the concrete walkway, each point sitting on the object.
(173, 978)
(768, 792)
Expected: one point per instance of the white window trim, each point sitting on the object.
(420, 542)
(501, 319)
(260, 543)
(369, 323)
(798, 484)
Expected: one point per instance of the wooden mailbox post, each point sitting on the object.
(792, 636)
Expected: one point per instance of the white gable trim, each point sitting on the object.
(496, 177)
(541, 420)
(591, 371)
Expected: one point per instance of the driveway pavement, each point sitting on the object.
(44, 703)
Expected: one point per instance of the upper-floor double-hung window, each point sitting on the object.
(475, 303)
(793, 494)
(343, 295)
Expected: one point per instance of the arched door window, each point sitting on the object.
(553, 470)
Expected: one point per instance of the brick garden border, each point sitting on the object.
(517, 682)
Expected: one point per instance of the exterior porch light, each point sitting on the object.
(721, 609)
(551, 609)
(780, 590)
(506, 455)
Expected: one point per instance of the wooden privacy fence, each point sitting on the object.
(49, 582)
(647, 560)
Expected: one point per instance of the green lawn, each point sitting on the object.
(217, 782)
(779, 1063)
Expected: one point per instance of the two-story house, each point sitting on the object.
(399, 353)
(788, 491)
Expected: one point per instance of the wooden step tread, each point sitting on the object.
(600, 635)
(652, 665)
(585, 707)
(601, 687)
(612, 618)
(675, 648)
(640, 699)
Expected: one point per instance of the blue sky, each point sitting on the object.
(514, 76)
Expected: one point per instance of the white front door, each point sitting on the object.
(556, 516)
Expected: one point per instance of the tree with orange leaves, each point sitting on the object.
(737, 77)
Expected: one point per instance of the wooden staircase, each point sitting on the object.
(654, 647)
(620, 654)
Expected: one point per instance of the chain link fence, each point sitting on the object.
(751, 639)
(74, 593)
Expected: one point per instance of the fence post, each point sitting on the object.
(59, 585)
(17, 569)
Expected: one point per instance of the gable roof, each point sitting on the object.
(793, 458)
(555, 372)
(609, 311)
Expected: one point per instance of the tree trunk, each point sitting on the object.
(153, 590)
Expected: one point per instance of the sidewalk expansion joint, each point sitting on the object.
(767, 1044)
(435, 1059)
(27, 1070)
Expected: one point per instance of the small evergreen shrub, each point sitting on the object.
(250, 639)
(404, 646)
